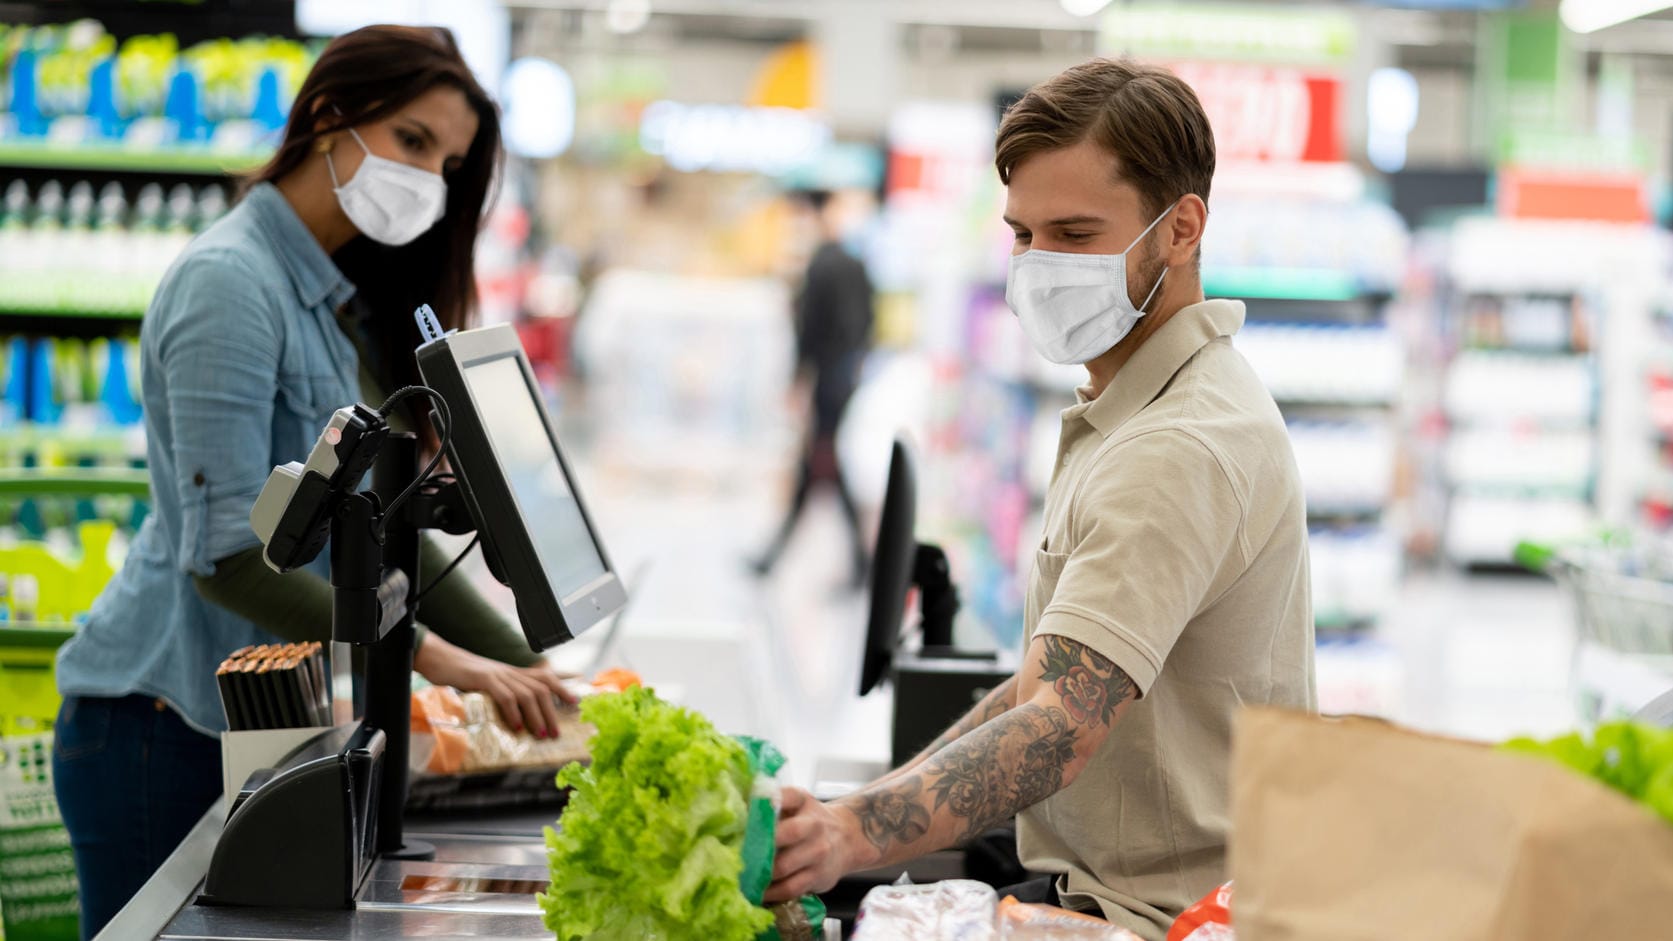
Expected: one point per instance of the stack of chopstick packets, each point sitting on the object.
(275, 686)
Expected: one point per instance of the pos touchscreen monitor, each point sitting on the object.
(536, 533)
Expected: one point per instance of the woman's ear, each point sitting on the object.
(325, 118)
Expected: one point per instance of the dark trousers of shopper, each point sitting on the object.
(132, 780)
(820, 464)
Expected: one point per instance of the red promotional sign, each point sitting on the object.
(1268, 113)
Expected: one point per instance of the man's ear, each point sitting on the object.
(1184, 229)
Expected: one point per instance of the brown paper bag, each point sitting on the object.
(1352, 829)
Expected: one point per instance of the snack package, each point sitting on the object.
(462, 733)
(1208, 920)
(1021, 921)
(953, 910)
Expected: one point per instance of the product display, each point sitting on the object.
(1325, 364)
(63, 251)
(1447, 232)
(77, 97)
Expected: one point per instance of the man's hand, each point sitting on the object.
(818, 844)
(526, 696)
(1067, 699)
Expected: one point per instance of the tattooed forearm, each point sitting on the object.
(892, 814)
(1009, 764)
(1003, 767)
(998, 760)
(1091, 685)
(996, 703)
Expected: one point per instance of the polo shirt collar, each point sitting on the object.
(1155, 363)
(312, 273)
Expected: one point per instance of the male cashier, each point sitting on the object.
(1171, 586)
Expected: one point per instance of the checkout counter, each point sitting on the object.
(321, 847)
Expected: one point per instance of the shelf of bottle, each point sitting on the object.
(90, 481)
(34, 634)
(1287, 283)
(71, 311)
(115, 157)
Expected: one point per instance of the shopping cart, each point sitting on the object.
(1622, 592)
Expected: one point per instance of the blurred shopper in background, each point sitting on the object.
(833, 333)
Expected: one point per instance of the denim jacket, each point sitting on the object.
(243, 364)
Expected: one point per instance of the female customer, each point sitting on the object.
(299, 301)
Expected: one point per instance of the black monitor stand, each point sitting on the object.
(937, 683)
(938, 605)
(336, 804)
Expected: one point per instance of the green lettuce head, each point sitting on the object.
(650, 845)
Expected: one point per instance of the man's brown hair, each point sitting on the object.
(1145, 115)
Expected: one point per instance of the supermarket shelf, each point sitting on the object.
(34, 482)
(71, 310)
(115, 158)
(1276, 283)
(73, 325)
(1328, 513)
(1344, 624)
(110, 438)
(1532, 351)
(1539, 424)
(1354, 407)
(33, 634)
(1477, 290)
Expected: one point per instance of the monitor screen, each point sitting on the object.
(562, 540)
(537, 534)
(891, 567)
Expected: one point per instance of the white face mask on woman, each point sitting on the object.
(387, 201)
(1075, 307)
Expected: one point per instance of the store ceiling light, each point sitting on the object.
(1083, 7)
(538, 98)
(1391, 112)
(1587, 16)
(627, 16)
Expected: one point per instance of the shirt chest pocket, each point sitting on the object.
(311, 384)
(1042, 585)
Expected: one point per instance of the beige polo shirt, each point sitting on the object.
(1175, 544)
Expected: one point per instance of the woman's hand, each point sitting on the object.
(527, 697)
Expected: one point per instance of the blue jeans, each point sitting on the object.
(132, 780)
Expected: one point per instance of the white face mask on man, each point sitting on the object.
(389, 202)
(1075, 307)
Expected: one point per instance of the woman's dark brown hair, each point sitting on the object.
(362, 77)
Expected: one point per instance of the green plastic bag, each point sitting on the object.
(803, 918)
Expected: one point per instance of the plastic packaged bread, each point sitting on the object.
(1021, 921)
(954, 910)
(461, 733)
